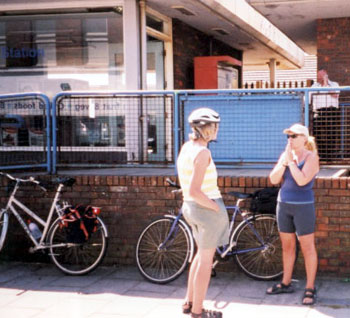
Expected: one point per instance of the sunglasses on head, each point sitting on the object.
(292, 136)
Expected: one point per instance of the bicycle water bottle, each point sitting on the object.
(34, 229)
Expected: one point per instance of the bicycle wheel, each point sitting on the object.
(77, 258)
(161, 260)
(257, 260)
(4, 223)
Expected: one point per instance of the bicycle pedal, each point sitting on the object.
(32, 250)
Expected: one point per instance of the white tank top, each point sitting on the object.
(188, 154)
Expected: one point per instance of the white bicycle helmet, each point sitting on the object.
(201, 116)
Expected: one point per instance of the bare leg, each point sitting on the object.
(201, 277)
(190, 282)
(288, 253)
(307, 243)
(288, 256)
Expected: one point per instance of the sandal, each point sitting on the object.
(309, 293)
(280, 289)
(207, 314)
(186, 307)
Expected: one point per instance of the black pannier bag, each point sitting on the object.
(79, 223)
(264, 200)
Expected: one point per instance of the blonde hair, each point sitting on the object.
(311, 144)
(206, 132)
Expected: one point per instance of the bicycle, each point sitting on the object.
(166, 245)
(72, 258)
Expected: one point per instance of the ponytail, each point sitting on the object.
(195, 134)
(311, 144)
(204, 132)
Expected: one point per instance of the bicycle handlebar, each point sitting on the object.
(30, 179)
(66, 181)
(173, 184)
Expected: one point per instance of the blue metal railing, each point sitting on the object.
(250, 132)
(25, 113)
(112, 97)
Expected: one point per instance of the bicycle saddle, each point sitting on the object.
(241, 195)
(51, 185)
(66, 181)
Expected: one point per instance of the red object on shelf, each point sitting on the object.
(206, 70)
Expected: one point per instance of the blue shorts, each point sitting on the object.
(210, 229)
(299, 218)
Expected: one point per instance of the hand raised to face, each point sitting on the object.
(289, 152)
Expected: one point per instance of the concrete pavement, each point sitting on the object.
(41, 291)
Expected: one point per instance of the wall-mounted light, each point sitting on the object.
(183, 10)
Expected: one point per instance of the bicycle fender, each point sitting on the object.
(103, 226)
(5, 216)
(188, 229)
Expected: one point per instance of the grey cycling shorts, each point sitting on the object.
(210, 229)
(299, 218)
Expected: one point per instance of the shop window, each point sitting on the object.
(152, 134)
(69, 42)
(120, 131)
(17, 130)
(83, 50)
(154, 23)
(155, 63)
(82, 131)
(20, 50)
(36, 130)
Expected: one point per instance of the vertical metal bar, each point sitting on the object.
(306, 94)
(54, 133)
(165, 146)
(176, 127)
(48, 134)
(142, 120)
(342, 121)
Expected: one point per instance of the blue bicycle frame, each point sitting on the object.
(227, 249)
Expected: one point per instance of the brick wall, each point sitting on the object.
(129, 203)
(333, 48)
(195, 43)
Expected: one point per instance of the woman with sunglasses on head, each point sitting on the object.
(296, 170)
(203, 207)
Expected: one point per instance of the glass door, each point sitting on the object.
(158, 74)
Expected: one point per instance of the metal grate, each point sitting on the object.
(251, 124)
(330, 124)
(118, 129)
(23, 131)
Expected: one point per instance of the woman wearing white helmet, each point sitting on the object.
(203, 206)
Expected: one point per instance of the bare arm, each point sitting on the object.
(200, 165)
(277, 172)
(309, 170)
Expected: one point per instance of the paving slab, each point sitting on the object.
(41, 291)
